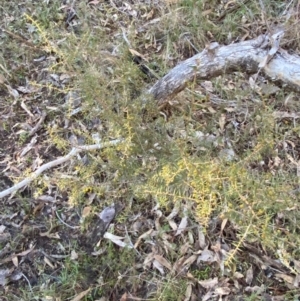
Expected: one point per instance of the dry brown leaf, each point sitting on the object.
(182, 226)
(117, 240)
(173, 214)
(124, 297)
(99, 252)
(224, 222)
(190, 260)
(188, 292)
(86, 211)
(39, 207)
(134, 52)
(184, 248)
(24, 253)
(150, 14)
(163, 261)
(207, 296)
(2, 79)
(50, 235)
(148, 260)
(207, 12)
(47, 261)
(144, 235)
(221, 291)
(15, 261)
(74, 255)
(158, 266)
(238, 275)
(211, 110)
(209, 283)
(285, 277)
(172, 225)
(169, 246)
(81, 295)
(178, 264)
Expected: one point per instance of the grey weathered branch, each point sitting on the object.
(244, 56)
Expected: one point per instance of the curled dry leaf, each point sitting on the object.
(163, 261)
(182, 226)
(173, 213)
(148, 260)
(209, 283)
(172, 225)
(99, 252)
(184, 248)
(48, 262)
(156, 264)
(144, 235)
(117, 240)
(189, 261)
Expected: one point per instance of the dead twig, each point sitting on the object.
(59, 161)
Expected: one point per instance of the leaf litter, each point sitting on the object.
(184, 250)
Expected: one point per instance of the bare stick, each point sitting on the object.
(72, 153)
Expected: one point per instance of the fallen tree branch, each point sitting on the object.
(244, 56)
(72, 153)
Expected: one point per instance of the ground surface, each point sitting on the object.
(201, 199)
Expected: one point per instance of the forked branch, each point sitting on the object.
(59, 161)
